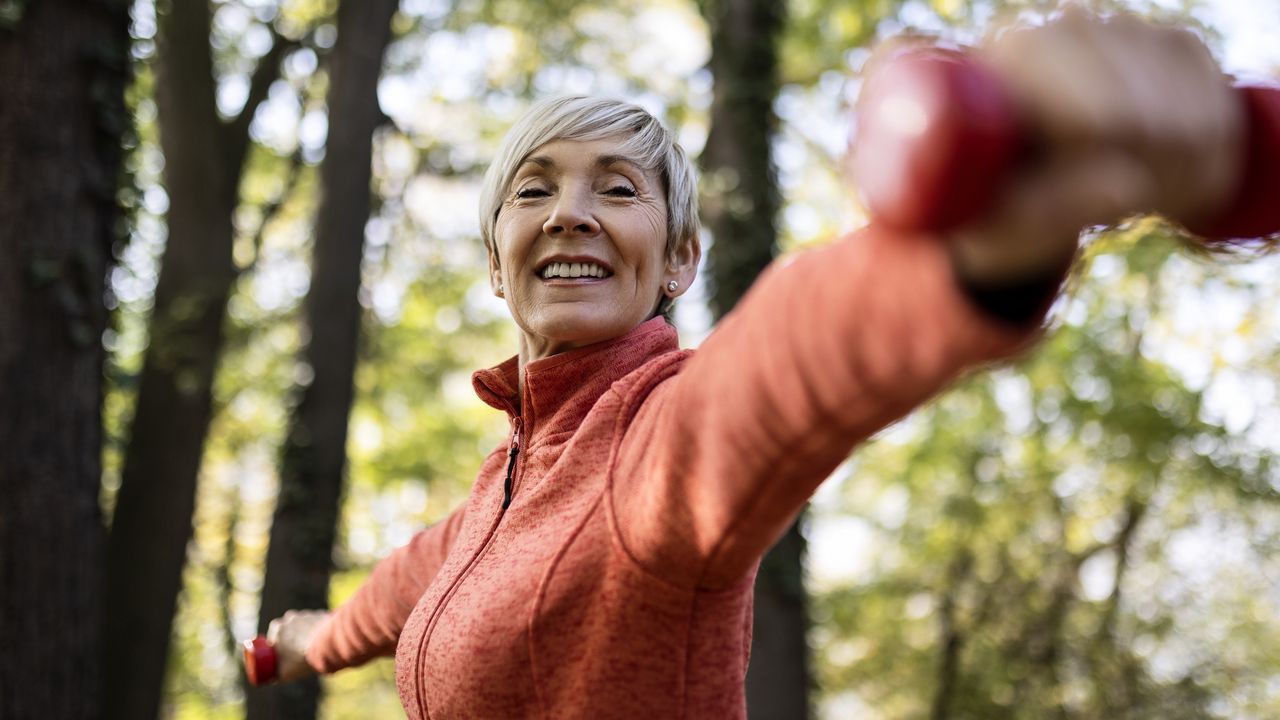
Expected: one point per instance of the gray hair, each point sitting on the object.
(577, 117)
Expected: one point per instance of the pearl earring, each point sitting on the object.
(673, 286)
(499, 288)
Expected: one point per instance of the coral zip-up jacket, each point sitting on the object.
(645, 483)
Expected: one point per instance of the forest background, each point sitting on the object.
(1090, 532)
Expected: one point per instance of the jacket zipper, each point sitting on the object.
(512, 453)
(507, 487)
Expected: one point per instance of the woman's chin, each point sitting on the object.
(571, 327)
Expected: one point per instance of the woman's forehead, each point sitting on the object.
(601, 154)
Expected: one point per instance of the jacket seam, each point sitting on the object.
(630, 402)
(543, 583)
(628, 406)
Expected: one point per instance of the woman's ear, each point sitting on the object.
(495, 274)
(682, 264)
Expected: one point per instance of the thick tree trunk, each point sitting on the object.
(778, 680)
(740, 209)
(152, 522)
(63, 69)
(313, 461)
(742, 198)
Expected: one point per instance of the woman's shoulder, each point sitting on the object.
(640, 383)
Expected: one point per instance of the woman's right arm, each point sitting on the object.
(369, 624)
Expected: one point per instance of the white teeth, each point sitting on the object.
(573, 270)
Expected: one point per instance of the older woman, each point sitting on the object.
(603, 564)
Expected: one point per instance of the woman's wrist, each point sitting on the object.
(1019, 296)
(986, 260)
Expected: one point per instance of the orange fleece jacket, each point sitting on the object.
(648, 483)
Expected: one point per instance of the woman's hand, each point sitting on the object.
(1128, 117)
(291, 634)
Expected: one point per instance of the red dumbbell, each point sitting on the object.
(938, 136)
(260, 661)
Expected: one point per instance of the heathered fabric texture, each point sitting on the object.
(649, 483)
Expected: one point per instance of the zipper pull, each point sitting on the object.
(511, 465)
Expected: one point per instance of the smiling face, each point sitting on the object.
(580, 246)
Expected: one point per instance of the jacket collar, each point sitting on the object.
(561, 389)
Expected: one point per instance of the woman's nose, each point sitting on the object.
(572, 214)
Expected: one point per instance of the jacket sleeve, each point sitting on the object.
(369, 624)
(825, 350)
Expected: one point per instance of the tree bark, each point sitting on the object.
(152, 523)
(952, 636)
(303, 531)
(778, 677)
(740, 205)
(740, 208)
(63, 70)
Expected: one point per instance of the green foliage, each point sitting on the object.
(820, 35)
(1037, 523)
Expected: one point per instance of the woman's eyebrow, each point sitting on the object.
(540, 160)
(605, 161)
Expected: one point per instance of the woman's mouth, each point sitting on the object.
(574, 271)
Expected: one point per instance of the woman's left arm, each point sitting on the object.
(835, 344)
(825, 350)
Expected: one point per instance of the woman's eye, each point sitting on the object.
(533, 192)
(622, 191)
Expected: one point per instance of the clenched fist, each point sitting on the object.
(291, 633)
(1126, 117)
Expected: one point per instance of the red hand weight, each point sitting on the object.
(259, 661)
(938, 135)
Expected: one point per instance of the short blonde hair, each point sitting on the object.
(577, 117)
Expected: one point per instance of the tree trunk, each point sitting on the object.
(742, 198)
(313, 461)
(778, 677)
(63, 69)
(152, 522)
(740, 208)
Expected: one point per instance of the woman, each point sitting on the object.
(603, 564)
